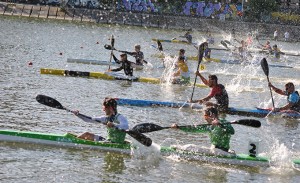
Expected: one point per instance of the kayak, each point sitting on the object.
(257, 112)
(106, 76)
(98, 62)
(93, 62)
(71, 141)
(195, 58)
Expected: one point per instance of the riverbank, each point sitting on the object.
(148, 20)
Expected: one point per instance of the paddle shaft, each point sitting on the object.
(112, 42)
(265, 67)
(200, 57)
(150, 127)
(271, 92)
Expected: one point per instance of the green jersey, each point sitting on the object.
(219, 135)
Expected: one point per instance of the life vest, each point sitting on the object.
(296, 106)
(222, 99)
(139, 57)
(113, 134)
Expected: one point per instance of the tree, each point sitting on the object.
(259, 8)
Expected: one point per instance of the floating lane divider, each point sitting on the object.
(101, 75)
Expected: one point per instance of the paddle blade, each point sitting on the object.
(147, 127)
(228, 42)
(146, 141)
(224, 44)
(159, 45)
(112, 41)
(108, 47)
(248, 122)
(48, 101)
(201, 49)
(265, 66)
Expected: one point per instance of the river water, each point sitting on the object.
(48, 44)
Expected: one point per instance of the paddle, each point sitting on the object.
(265, 67)
(200, 57)
(112, 43)
(160, 49)
(225, 45)
(150, 127)
(109, 47)
(51, 102)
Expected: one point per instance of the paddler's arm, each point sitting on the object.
(202, 78)
(89, 119)
(277, 90)
(115, 59)
(129, 53)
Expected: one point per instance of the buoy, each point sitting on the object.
(97, 42)
(29, 63)
(81, 46)
(60, 53)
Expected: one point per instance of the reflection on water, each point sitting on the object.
(114, 162)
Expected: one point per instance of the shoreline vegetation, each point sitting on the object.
(94, 16)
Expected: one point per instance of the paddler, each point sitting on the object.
(114, 121)
(218, 91)
(220, 130)
(137, 54)
(267, 46)
(188, 37)
(182, 75)
(276, 51)
(182, 54)
(207, 52)
(293, 97)
(126, 65)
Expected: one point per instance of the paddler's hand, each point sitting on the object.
(275, 109)
(197, 73)
(76, 112)
(215, 122)
(109, 70)
(110, 124)
(175, 126)
(270, 84)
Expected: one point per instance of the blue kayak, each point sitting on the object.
(256, 112)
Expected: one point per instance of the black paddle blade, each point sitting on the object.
(48, 101)
(108, 47)
(228, 42)
(159, 45)
(146, 141)
(265, 66)
(112, 41)
(201, 49)
(224, 44)
(147, 127)
(248, 122)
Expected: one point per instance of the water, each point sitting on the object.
(48, 44)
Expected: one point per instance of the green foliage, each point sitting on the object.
(259, 8)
